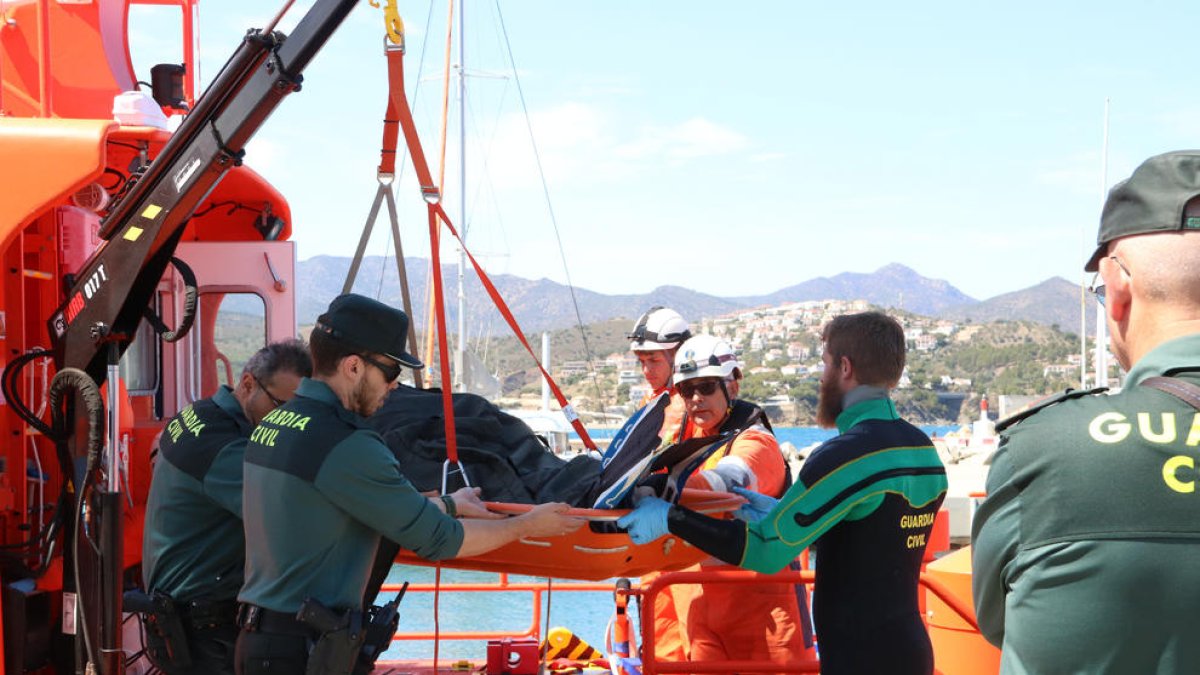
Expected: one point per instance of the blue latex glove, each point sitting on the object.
(647, 522)
(757, 505)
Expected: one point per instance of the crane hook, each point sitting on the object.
(392, 21)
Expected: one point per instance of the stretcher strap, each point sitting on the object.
(439, 302)
(398, 108)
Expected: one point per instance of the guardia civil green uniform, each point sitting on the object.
(866, 501)
(192, 549)
(321, 487)
(1086, 548)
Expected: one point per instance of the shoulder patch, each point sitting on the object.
(193, 438)
(1046, 403)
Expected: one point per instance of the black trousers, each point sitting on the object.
(263, 653)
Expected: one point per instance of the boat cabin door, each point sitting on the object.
(246, 299)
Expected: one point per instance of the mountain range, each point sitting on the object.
(541, 304)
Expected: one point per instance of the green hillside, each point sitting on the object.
(946, 374)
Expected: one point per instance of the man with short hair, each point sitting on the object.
(1085, 548)
(654, 339)
(193, 550)
(865, 500)
(321, 488)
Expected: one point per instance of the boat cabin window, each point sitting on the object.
(229, 328)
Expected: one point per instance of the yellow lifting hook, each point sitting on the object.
(391, 19)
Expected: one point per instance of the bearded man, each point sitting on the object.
(865, 501)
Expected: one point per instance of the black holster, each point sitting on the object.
(381, 628)
(166, 641)
(340, 638)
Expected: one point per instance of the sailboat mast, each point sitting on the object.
(1101, 325)
(460, 353)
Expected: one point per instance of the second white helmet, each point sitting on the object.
(658, 329)
(704, 356)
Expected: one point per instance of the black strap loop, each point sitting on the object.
(190, 295)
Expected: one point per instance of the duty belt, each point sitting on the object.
(203, 614)
(260, 619)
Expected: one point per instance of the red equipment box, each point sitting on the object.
(513, 656)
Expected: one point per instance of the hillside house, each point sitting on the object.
(629, 377)
(638, 393)
(798, 350)
(925, 342)
(569, 368)
(616, 360)
(1060, 370)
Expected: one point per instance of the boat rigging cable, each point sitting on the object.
(432, 318)
(550, 207)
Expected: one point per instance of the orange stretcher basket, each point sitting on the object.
(591, 556)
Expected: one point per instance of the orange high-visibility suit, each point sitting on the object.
(669, 642)
(738, 622)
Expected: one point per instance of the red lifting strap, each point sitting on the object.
(391, 132)
(398, 109)
(567, 408)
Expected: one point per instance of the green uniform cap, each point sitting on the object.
(363, 323)
(1151, 200)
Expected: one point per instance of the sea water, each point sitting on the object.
(509, 612)
(587, 613)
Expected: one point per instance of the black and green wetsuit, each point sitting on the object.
(865, 501)
(193, 548)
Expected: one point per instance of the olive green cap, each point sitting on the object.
(362, 323)
(1151, 200)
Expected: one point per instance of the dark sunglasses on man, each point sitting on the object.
(706, 387)
(391, 372)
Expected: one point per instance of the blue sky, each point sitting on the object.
(738, 148)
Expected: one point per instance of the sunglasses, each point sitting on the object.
(689, 388)
(391, 372)
(266, 391)
(1099, 290)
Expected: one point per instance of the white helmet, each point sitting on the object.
(704, 356)
(657, 330)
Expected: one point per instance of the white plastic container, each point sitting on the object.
(137, 108)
